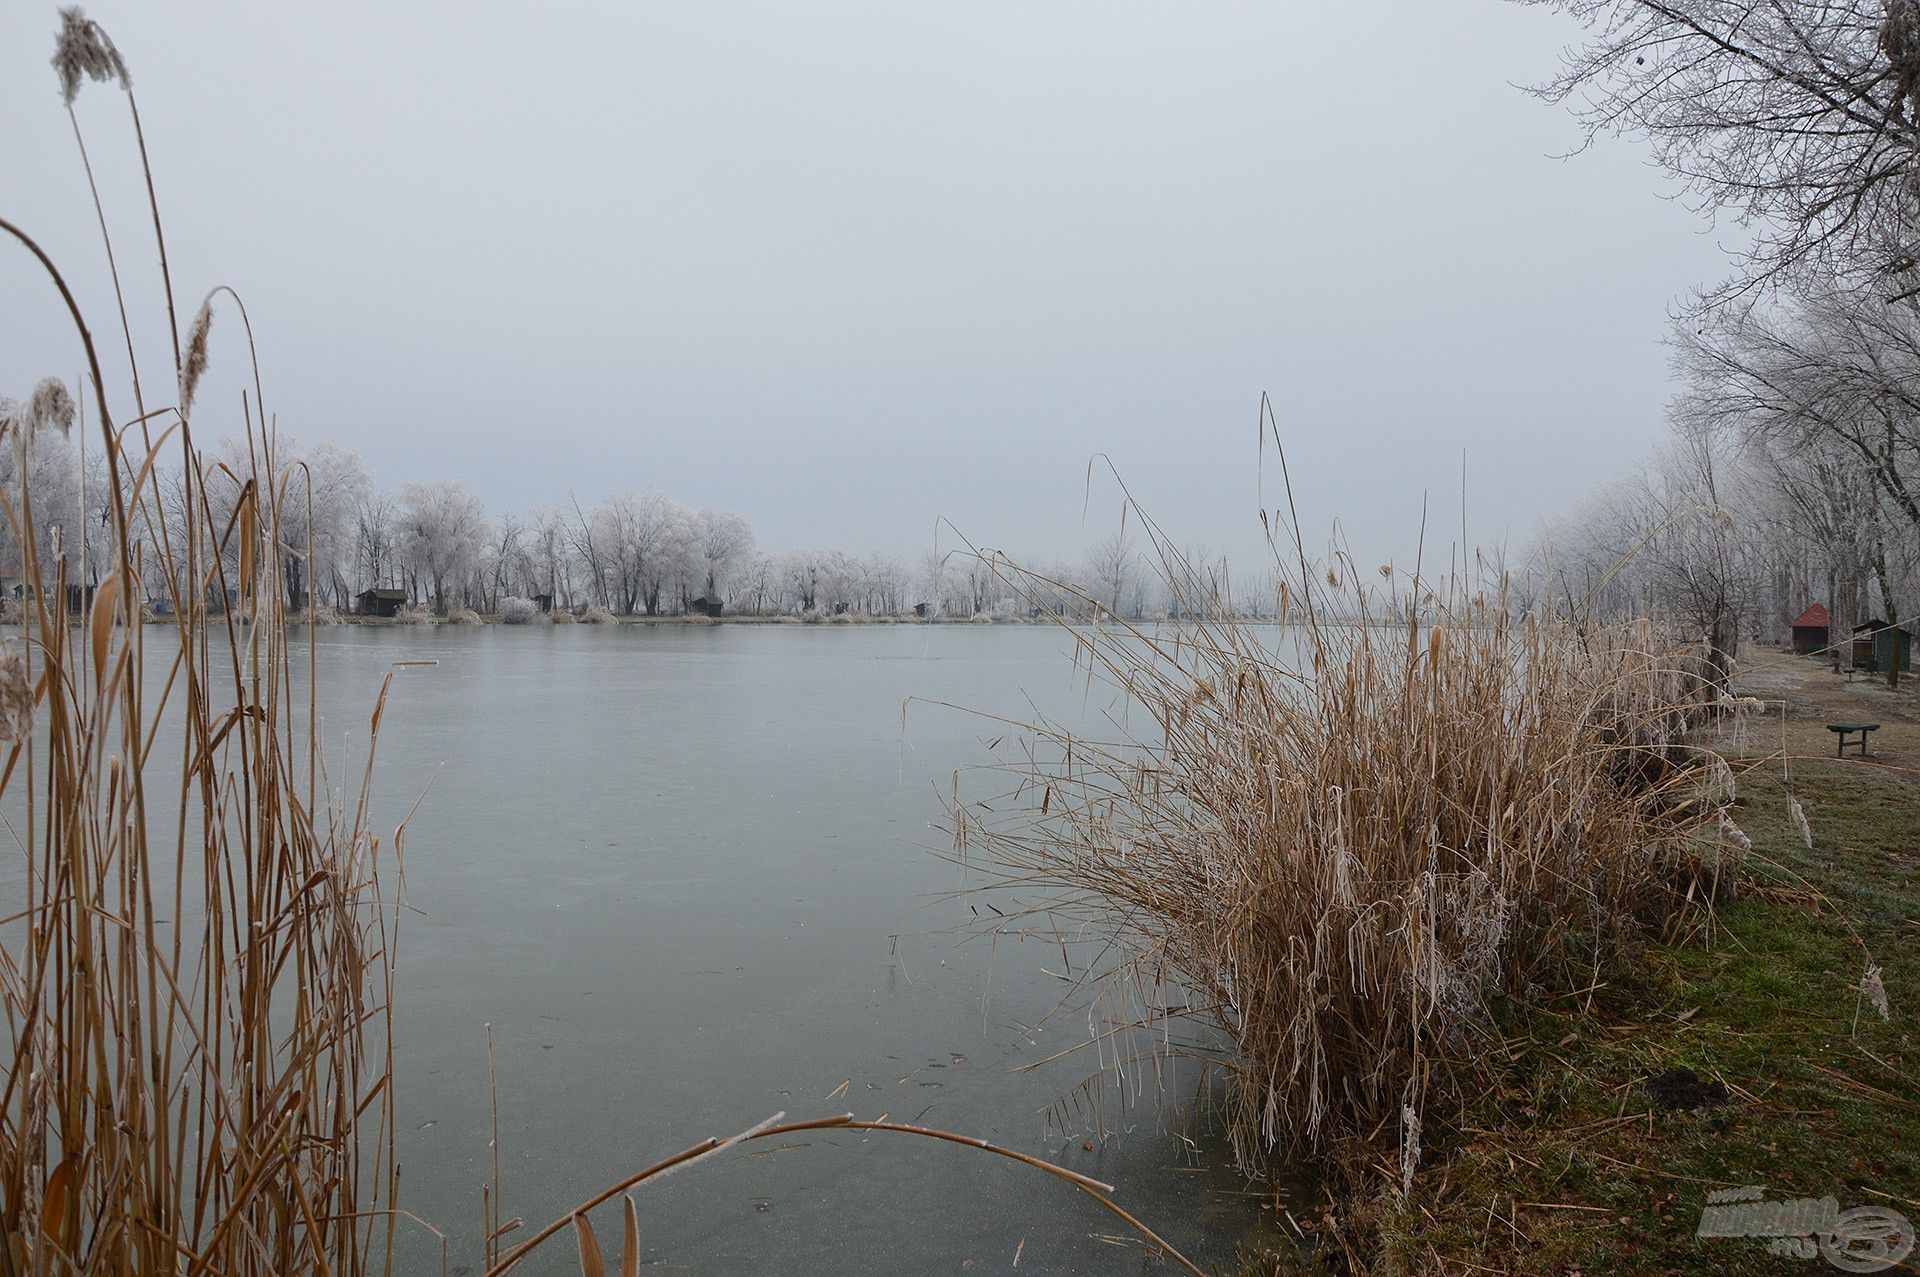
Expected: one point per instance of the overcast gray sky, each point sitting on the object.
(848, 267)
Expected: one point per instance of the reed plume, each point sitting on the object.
(50, 408)
(194, 365)
(84, 52)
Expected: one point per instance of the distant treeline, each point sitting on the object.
(630, 553)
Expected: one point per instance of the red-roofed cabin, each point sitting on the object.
(1810, 630)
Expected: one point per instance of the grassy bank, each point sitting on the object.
(1743, 1057)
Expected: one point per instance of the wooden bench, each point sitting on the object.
(1844, 730)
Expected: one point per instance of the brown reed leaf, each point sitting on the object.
(591, 1263)
(59, 1211)
(246, 516)
(106, 602)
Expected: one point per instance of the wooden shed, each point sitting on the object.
(382, 602)
(1810, 630)
(1880, 646)
(706, 605)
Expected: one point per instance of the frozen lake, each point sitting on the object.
(683, 873)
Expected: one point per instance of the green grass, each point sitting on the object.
(1822, 1096)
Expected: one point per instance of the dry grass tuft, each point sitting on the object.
(596, 615)
(1321, 852)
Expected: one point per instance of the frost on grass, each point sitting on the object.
(1874, 990)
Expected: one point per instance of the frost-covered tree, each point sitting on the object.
(637, 546)
(722, 539)
(549, 554)
(1112, 569)
(883, 581)
(375, 541)
(442, 529)
(1834, 368)
(66, 505)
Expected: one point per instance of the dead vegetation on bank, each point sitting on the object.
(1315, 856)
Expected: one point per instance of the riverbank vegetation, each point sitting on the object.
(1513, 937)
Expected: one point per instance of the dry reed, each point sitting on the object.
(196, 973)
(1324, 850)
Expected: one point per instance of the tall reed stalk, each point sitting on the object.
(196, 973)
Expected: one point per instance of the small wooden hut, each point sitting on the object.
(1810, 630)
(706, 605)
(382, 602)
